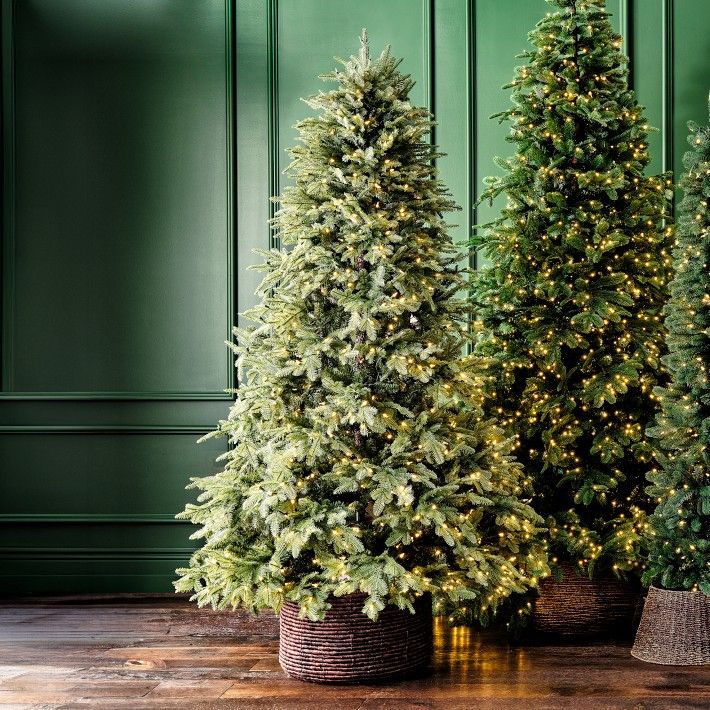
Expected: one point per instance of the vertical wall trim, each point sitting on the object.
(7, 260)
(667, 88)
(626, 30)
(273, 118)
(428, 67)
(471, 119)
(231, 158)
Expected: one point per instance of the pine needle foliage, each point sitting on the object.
(680, 545)
(570, 308)
(359, 458)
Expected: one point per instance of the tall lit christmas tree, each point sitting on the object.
(680, 550)
(359, 458)
(570, 306)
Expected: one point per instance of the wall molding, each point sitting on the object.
(99, 429)
(625, 29)
(273, 150)
(7, 18)
(429, 60)
(92, 518)
(231, 138)
(232, 156)
(93, 553)
(471, 192)
(667, 94)
(120, 396)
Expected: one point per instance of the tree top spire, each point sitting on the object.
(364, 47)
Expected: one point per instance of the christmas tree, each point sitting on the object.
(570, 308)
(680, 549)
(359, 457)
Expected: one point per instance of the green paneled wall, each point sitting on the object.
(141, 142)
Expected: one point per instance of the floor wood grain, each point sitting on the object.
(132, 652)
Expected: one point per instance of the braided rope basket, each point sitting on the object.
(577, 606)
(674, 628)
(347, 647)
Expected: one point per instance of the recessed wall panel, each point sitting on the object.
(113, 473)
(117, 235)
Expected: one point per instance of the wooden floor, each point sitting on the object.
(160, 652)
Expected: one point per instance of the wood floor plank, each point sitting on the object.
(286, 688)
(45, 697)
(111, 689)
(202, 689)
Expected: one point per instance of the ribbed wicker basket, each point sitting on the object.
(674, 628)
(347, 647)
(577, 606)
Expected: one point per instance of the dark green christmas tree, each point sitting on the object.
(359, 458)
(680, 545)
(570, 308)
